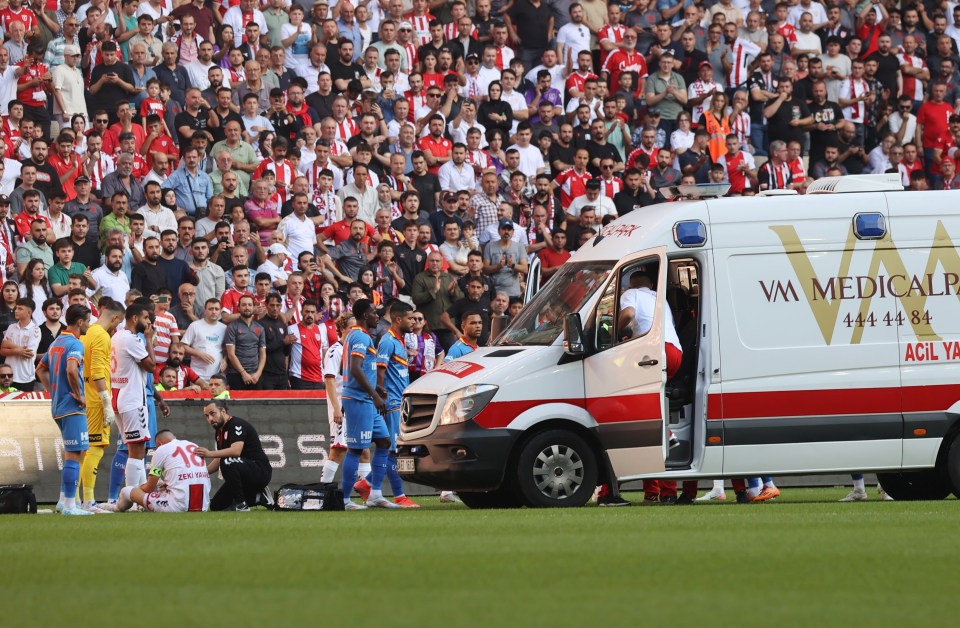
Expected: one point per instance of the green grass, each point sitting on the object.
(803, 560)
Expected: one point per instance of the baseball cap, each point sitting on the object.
(505, 224)
(472, 55)
(82, 179)
(277, 249)
(4, 199)
(653, 111)
(450, 197)
(706, 64)
(321, 2)
(667, 53)
(405, 25)
(70, 50)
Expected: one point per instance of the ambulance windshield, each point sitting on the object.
(541, 320)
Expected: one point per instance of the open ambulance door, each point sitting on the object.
(624, 377)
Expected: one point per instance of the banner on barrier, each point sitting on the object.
(294, 433)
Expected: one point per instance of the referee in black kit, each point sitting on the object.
(246, 470)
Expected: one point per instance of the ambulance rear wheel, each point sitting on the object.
(556, 469)
(915, 486)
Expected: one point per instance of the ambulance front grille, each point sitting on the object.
(417, 412)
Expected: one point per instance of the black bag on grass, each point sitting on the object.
(17, 499)
(320, 496)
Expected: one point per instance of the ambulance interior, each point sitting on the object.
(683, 296)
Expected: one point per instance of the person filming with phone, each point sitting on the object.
(111, 82)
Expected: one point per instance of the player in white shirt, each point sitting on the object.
(333, 381)
(178, 479)
(130, 362)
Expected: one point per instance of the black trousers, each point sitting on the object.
(236, 382)
(270, 381)
(301, 384)
(242, 480)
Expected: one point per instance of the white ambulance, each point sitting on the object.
(820, 334)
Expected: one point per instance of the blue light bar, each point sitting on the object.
(690, 234)
(869, 226)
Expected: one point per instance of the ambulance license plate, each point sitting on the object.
(406, 465)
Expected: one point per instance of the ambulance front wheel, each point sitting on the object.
(925, 485)
(556, 469)
(953, 465)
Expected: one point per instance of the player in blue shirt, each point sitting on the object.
(363, 407)
(472, 325)
(393, 376)
(61, 373)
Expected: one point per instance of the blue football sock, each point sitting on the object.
(117, 474)
(396, 482)
(350, 465)
(379, 468)
(856, 476)
(70, 478)
(754, 482)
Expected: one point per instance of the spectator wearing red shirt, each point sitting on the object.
(573, 181)
(34, 85)
(187, 378)
(871, 23)
(340, 230)
(626, 59)
(554, 256)
(436, 148)
(67, 164)
(933, 125)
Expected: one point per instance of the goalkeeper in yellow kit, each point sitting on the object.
(100, 414)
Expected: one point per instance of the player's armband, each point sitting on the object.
(156, 472)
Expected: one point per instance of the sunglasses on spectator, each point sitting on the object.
(102, 120)
(416, 319)
(433, 95)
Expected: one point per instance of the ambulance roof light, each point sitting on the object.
(697, 191)
(888, 182)
(689, 234)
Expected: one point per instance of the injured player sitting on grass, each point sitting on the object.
(178, 479)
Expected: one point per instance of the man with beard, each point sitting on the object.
(111, 280)
(210, 277)
(246, 349)
(187, 378)
(636, 193)
(85, 249)
(147, 276)
(310, 342)
(177, 270)
(278, 341)
(348, 258)
(827, 118)
(239, 458)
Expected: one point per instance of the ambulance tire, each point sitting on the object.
(953, 466)
(503, 497)
(556, 469)
(927, 485)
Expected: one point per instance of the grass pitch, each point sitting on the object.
(803, 560)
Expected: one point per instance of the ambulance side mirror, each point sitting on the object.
(573, 335)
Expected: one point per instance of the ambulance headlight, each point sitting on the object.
(466, 403)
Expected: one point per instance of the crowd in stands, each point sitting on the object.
(308, 154)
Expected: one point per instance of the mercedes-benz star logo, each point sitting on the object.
(405, 410)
